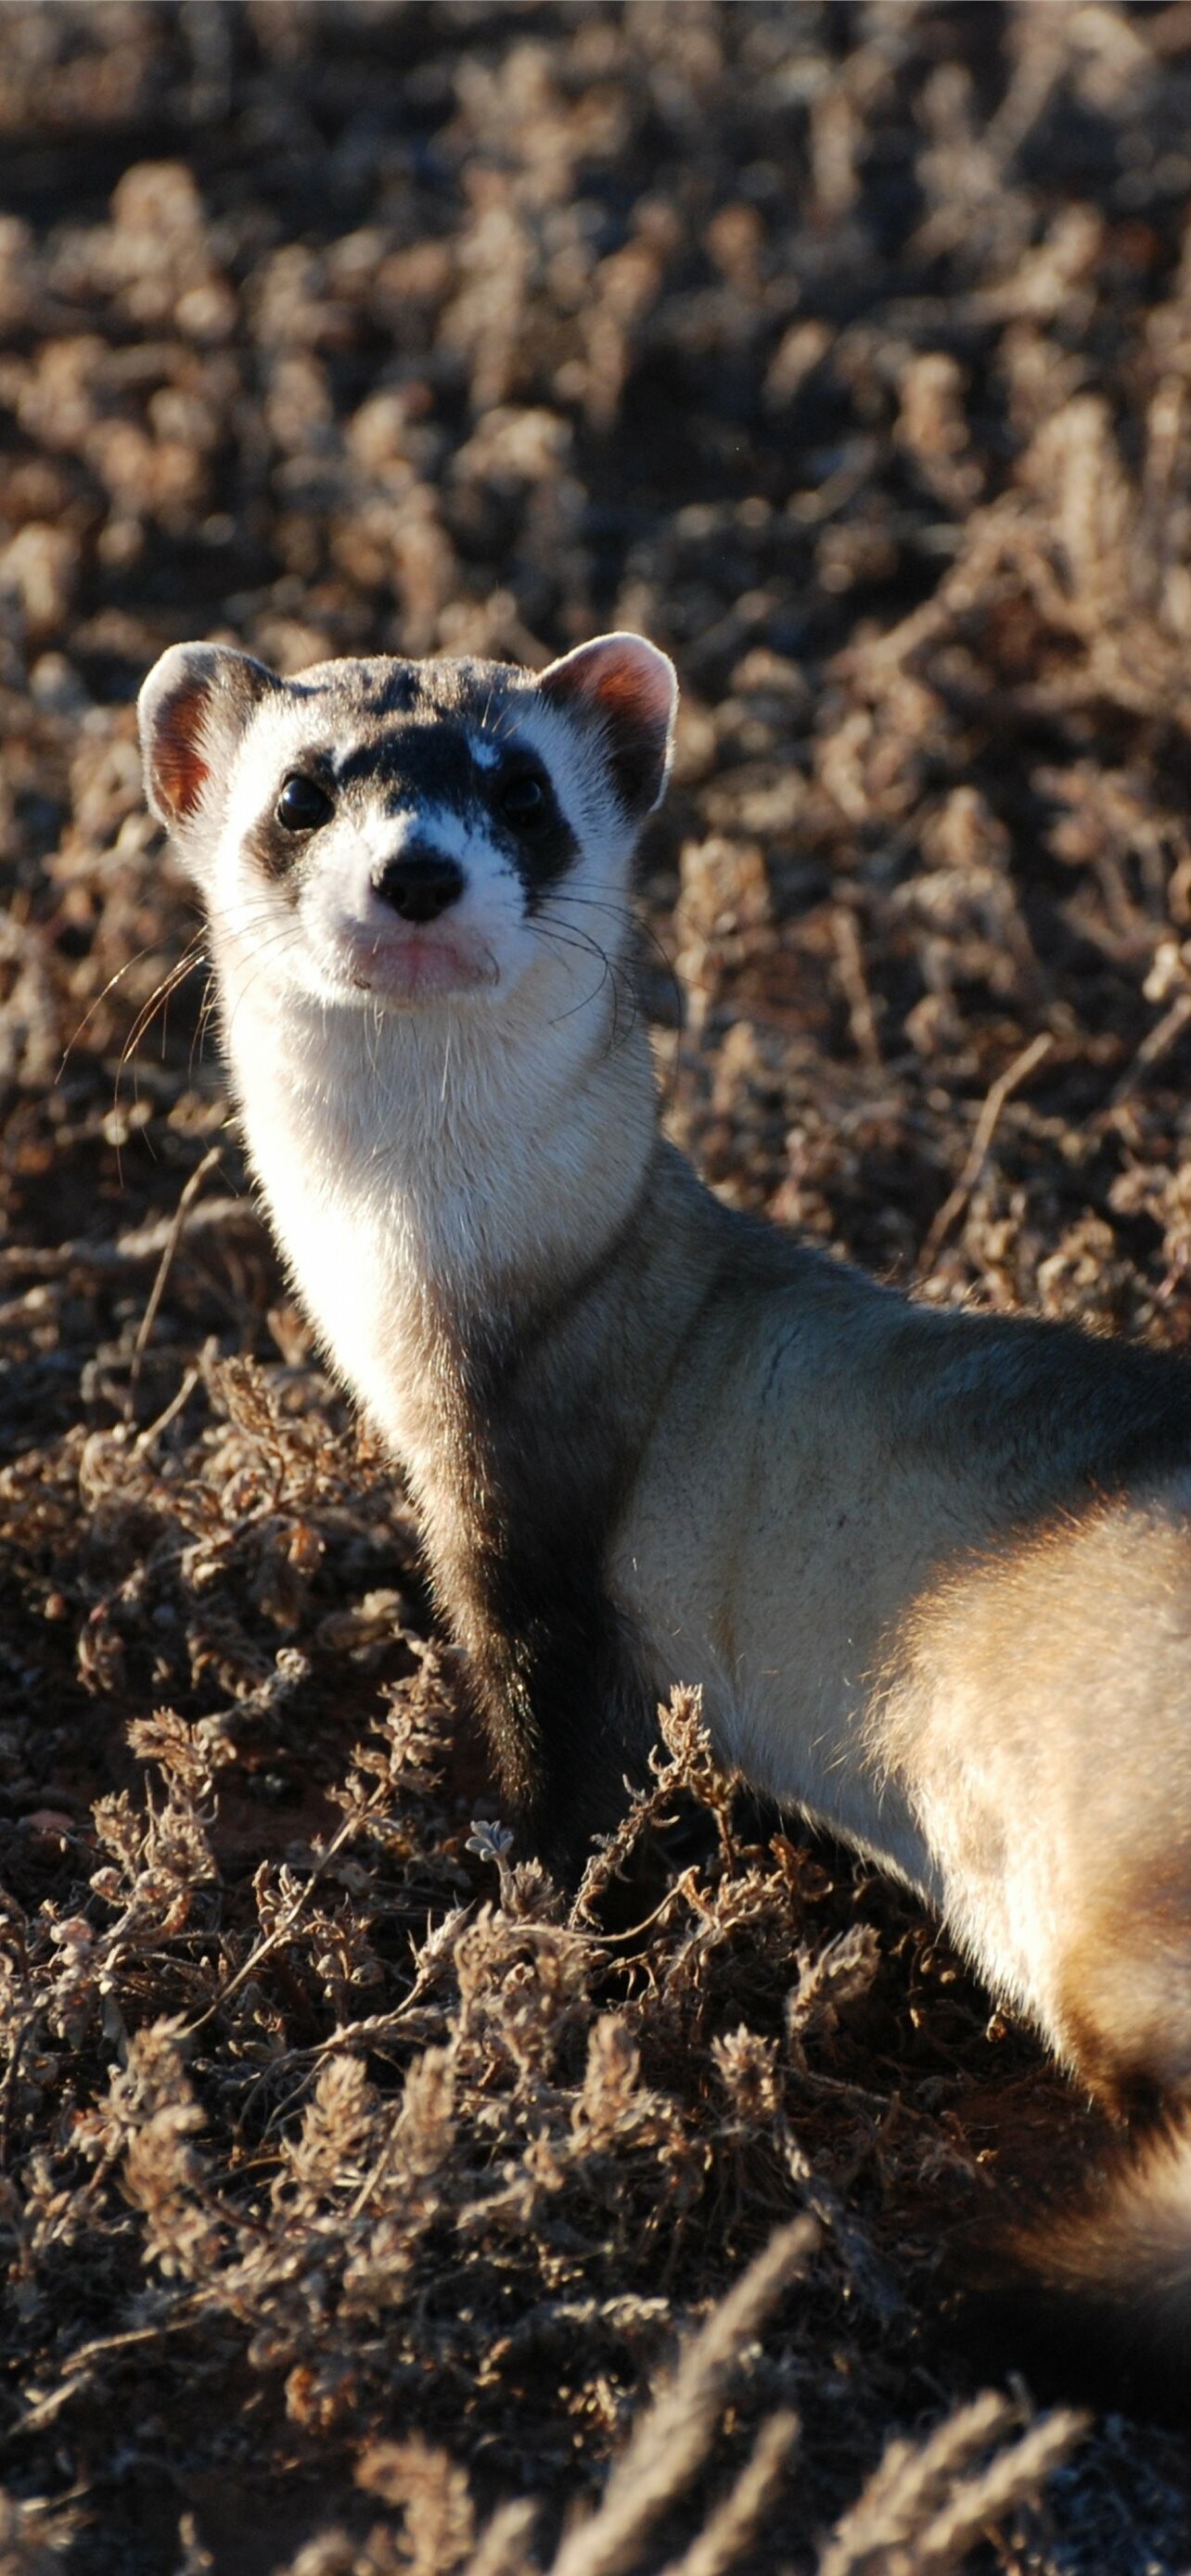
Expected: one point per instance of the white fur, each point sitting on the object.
(442, 1149)
(793, 1500)
(340, 917)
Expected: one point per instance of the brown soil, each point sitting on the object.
(846, 350)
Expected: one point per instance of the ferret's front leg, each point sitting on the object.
(567, 1707)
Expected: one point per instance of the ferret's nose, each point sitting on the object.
(419, 884)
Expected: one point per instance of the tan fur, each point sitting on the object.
(1043, 1710)
(932, 1571)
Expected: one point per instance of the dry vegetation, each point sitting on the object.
(353, 2192)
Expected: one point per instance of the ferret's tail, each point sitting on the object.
(1094, 2299)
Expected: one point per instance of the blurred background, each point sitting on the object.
(844, 347)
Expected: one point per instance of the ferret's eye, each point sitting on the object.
(302, 806)
(523, 801)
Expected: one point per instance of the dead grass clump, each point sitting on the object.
(361, 2206)
(918, 2514)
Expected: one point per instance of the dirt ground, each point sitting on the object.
(351, 2191)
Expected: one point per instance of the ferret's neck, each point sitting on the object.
(461, 1167)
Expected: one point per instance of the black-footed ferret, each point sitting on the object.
(933, 1572)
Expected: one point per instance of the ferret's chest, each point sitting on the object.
(346, 1236)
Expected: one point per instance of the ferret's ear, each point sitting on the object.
(631, 690)
(192, 710)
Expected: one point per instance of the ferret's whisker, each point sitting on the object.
(625, 979)
(265, 956)
(203, 1022)
(583, 945)
(175, 975)
(109, 987)
(628, 914)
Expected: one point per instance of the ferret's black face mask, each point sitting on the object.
(424, 828)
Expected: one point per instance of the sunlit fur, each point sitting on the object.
(932, 1571)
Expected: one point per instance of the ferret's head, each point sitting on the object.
(410, 834)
